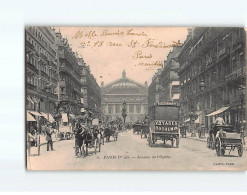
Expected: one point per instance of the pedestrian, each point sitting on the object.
(49, 132)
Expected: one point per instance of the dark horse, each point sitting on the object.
(79, 137)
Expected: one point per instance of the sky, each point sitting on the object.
(110, 50)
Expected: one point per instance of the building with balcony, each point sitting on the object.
(154, 89)
(216, 56)
(41, 69)
(169, 89)
(90, 90)
(124, 89)
(69, 87)
(165, 84)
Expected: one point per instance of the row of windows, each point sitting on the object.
(38, 83)
(222, 97)
(50, 72)
(40, 50)
(42, 38)
(211, 53)
(235, 63)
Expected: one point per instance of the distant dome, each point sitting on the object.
(124, 84)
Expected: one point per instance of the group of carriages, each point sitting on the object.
(93, 135)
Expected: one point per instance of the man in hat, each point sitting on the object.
(49, 132)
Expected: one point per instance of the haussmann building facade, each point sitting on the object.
(215, 57)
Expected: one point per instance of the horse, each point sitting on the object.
(92, 139)
(107, 134)
(80, 137)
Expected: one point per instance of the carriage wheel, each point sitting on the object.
(223, 151)
(240, 151)
(218, 147)
(212, 142)
(177, 142)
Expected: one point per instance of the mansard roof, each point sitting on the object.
(124, 85)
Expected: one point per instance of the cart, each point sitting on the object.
(144, 130)
(137, 127)
(164, 123)
(228, 139)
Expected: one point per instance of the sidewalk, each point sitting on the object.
(188, 135)
(43, 142)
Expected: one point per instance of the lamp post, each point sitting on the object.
(192, 114)
(242, 91)
(47, 90)
(124, 112)
(202, 89)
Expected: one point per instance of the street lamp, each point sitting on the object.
(124, 112)
(47, 90)
(192, 114)
(202, 89)
(242, 91)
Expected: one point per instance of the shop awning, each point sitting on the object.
(51, 119)
(30, 99)
(35, 113)
(218, 111)
(187, 120)
(64, 118)
(176, 96)
(197, 120)
(29, 117)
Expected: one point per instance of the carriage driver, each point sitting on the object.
(218, 122)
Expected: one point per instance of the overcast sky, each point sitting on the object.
(109, 50)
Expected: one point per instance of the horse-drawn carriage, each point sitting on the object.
(226, 138)
(164, 121)
(145, 130)
(85, 139)
(111, 131)
(137, 127)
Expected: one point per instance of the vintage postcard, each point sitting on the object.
(135, 98)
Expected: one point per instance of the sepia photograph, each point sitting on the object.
(135, 98)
